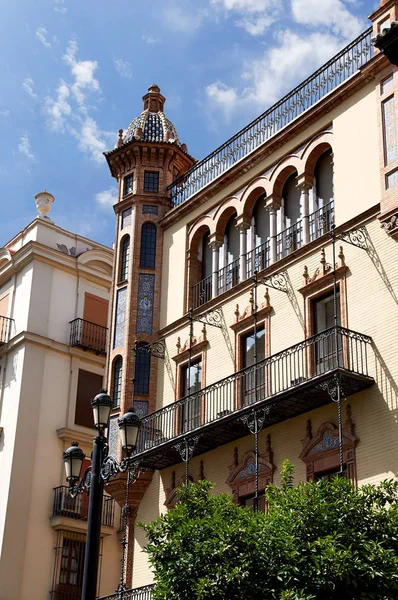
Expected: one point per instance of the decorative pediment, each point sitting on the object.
(242, 475)
(325, 269)
(246, 317)
(198, 345)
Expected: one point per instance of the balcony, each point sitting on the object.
(88, 336)
(5, 329)
(326, 79)
(142, 593)
(287, 384)
(62, 595)
(286, 242)
(77, 508)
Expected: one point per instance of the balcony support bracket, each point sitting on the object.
(335, 390)
(355, 237)
(214, 318)
(186, 448)
(278, 281)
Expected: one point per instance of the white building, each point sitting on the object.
(54, 291)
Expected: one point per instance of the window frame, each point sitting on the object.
(148, 245)
(146, 368)
(126, 191)
(117, 380)
(149, 177)
(124, 259)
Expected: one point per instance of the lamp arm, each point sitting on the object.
(83, 485)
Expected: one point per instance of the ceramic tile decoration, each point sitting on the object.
(113, 436)
(141, 408)
(390, 137)
(126, 218)
(120, 317)
(155, 128)
(150, 209)
(146, 290)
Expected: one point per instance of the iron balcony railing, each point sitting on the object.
(228, 276)
(141, 593)
(64, 595)
(289, 240)
(6, 325)
(77, 507)
(88, 336)
(334, 348)
(337, 70)
(202, 292)
(258, 259)
(321, 221)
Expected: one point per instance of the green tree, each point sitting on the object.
(318, 540)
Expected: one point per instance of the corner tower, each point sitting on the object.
(147, 158)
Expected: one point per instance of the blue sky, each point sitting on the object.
(74, 72)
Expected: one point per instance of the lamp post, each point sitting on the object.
(103, 467)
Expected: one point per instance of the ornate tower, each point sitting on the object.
(146, 160)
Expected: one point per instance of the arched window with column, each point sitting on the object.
(148, 246)
(290, 236)
(124, 258)
(229, 257)
(259, 241)
(322, 209)
(200, 268)
(117, 381)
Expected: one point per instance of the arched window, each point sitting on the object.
(142, 369)
(124, 258)
(324, 179)
(148, 246)
(290, 235)
(117, 381)
(291, 201)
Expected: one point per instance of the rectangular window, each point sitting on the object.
(387, 85)
(142, 369)
(253, 351)
(126, 218)
(250, 500)
(330, 474)
(72, 563)
(325, 349)
(391, 179)
(88, 385)
(151, 181)
(128, 185)
(191, 380)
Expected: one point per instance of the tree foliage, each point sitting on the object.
(318, 540)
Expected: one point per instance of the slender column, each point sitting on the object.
(242, 225)
(272, 208)
(215, 246)
(305, 207)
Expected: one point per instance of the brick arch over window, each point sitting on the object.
(242, 477)
(259, 187)
(312, 153)
(321, 452)
(281, 174)
(224, 213)
(197, 236)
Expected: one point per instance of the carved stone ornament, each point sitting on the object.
(321, 451)
(324, 268)
(196, 343)
(245, 318)
(242, 476)
(390, 224)
(44, 202)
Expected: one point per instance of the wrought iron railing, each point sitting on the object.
(258, 259)
(289, 240)
(77, 507)
(334, 348)
(6, 325)
(141, 593)
(321, 221)
(88, 336)
(202, 292)
(312, 90)
(228, 276)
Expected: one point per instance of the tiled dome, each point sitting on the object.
(152, 125)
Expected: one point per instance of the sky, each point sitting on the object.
(74, 72)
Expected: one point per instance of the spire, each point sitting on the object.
(153, 100)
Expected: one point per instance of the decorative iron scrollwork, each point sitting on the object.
(186, 448)
(156, 349)
(255, 419)
(214, 318)
(277, 282)
(334, 387)
(355, 237)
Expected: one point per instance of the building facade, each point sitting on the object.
(263, 282)
(54, 299)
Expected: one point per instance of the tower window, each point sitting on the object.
(151, 181)
(124, 258)
(148, 246)
(142, 370)
(126, 218)
(117, 381)
(128, 185)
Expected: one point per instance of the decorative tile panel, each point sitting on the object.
(120, 317)
(392, 179)
(126, 218)
(390, 134)
(149, 209)
(113, 436)
(141, 407)
(146, 291)
(387, 86)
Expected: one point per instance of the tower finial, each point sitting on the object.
(153, 100)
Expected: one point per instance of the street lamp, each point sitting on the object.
(103, 467)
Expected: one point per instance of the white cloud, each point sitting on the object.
(180, 16)
(4, 112)
(273, 74)
(59, 108)
(83, 73)
(41, 34)
(255, 16)
(90, 139)
(332, 14)
(242, 5)
(123, 67)
(27, 85)
(107, 198)
(59, 7)
(25, 148)
(148, 39)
